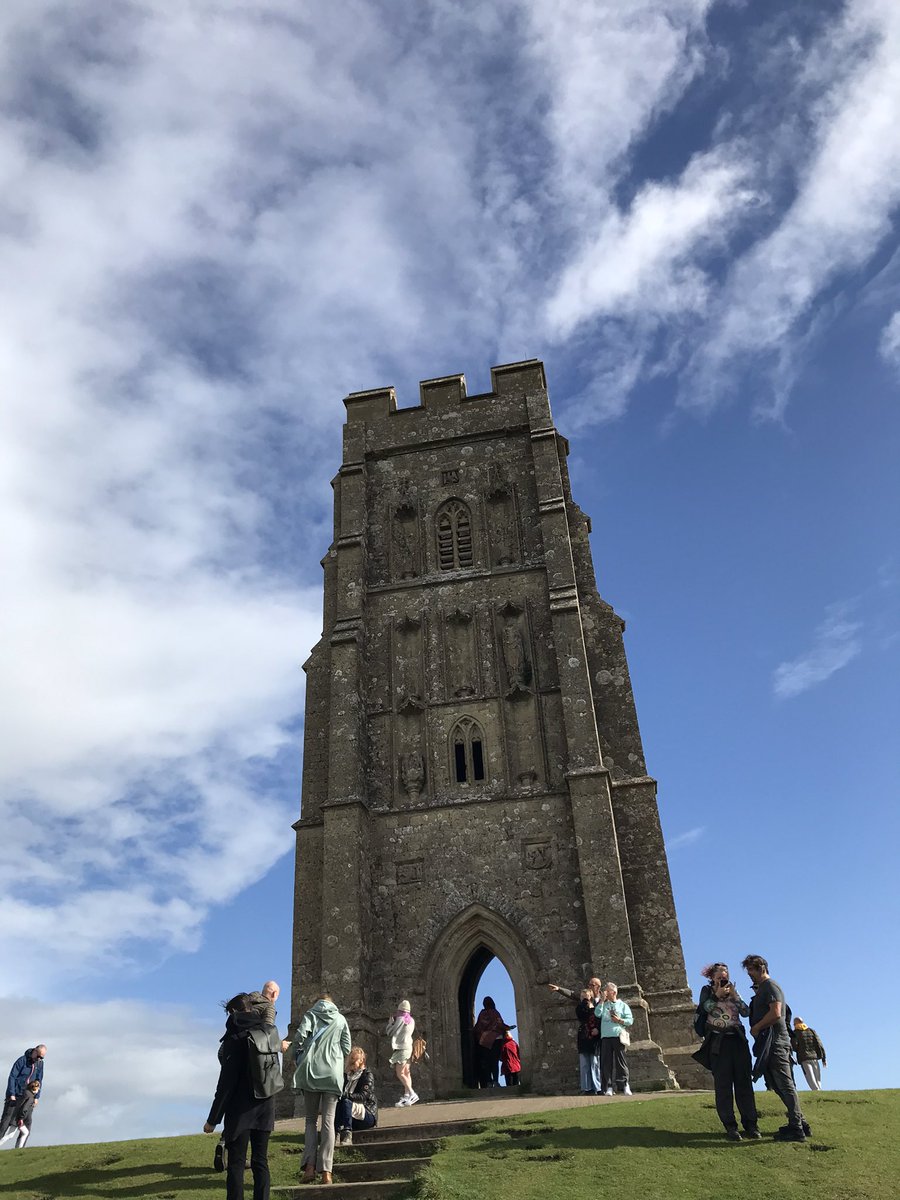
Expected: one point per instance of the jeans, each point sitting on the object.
(344, 1119)
(731, 1069)
(780, 1080)
(319, 1152)
(589, 1070)
(259, 1164)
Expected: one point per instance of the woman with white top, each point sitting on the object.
(399, 1029)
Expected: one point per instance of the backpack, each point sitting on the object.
(419, 1049)
(263, 1049)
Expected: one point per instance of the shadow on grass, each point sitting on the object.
(90, 1182)
(636, 1136)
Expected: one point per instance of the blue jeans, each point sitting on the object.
(589, 1069)
(344, 1120)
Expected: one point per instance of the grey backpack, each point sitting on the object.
(263, 1052)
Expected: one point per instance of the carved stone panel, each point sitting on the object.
(407, 662)
(502, 523)
(405, 540)
(460, 659)
(537, 853)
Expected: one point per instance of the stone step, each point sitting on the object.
(406, 1133)
(398, 1148)
(382, 1189)
(379, 1168)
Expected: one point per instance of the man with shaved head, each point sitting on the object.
(263, 1001)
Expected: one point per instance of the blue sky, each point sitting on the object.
(220, 219)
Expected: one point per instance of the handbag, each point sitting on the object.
(624, 1037)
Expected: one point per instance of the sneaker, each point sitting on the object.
(627, 1091)
(753, 1134)
(790, 1135)
(346, 1137)
(607, 1092)
(402, 1102)
(733, 1135)
(411, 1099)
(219, 1157)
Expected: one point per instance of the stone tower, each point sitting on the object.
(473, 780)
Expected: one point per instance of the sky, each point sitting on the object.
(217, 219)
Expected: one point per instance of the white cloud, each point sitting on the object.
(847, 190)
(889, 345)
(836, 642)
(688, 838)
(116, 1069)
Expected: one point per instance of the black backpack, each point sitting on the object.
(263, 1050)
(700, 1021)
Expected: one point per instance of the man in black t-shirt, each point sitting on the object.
(767, 1013)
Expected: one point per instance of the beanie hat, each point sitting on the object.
(403, 1006)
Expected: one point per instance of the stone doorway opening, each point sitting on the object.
(483, 975)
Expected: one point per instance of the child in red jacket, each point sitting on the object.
(510, 1064)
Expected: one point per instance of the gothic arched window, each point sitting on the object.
(454, 536)
(467, 756)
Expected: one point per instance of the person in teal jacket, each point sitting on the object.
(615, 1018)
(320, 1044)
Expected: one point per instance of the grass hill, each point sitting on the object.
(654, 1150)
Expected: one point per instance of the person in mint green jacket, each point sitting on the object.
(615, 1019)
(320, 1044)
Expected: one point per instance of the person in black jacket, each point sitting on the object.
(247, 1120)
(357, 1107)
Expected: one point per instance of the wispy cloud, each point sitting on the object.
(688, 838)
(836, 642)
(889, 343)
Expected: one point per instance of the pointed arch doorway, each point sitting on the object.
(473, 987)
(455, 967)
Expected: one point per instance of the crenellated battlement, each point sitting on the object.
(447, 392)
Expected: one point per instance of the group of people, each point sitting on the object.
(726, 1051)
(602, 1038)
(26, 1078)
(496, 1050)
(331, 1073)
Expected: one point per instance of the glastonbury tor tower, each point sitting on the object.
(473, 781)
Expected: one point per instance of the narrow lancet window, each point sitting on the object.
(467, 749)
(454, 536)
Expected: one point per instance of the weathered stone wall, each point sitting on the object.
(473, 772)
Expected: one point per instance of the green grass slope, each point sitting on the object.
(668, 1149)
(674, 1149)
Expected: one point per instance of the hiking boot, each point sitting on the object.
(733, 1135)
(219, 1157)
(326, 1177)
(790, 1135)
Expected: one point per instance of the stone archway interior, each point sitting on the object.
(468, 984)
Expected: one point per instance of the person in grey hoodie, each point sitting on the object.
(320, 1044)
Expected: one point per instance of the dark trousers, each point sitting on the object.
(259, 1164)
(344, 1119)
(9, 1113)
(613, 1066)
(487, 1060)
(512, 1078)
(731, 1069)
(780, 1079)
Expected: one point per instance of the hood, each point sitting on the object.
(243, 1022)
(325, 1011)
